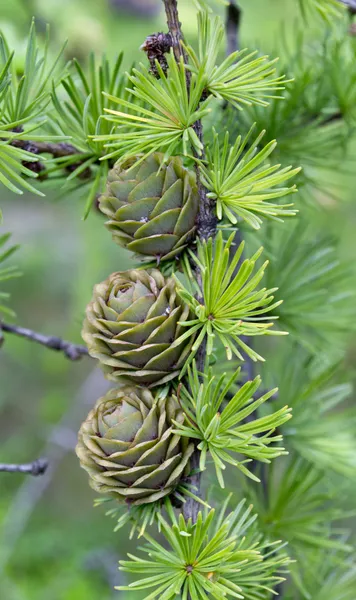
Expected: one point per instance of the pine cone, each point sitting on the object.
(131, 324)
(127, 446)
(151, 212)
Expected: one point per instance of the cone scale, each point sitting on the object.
(127, 446)
(152, 206)
(132, 326)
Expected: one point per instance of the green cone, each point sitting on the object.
(127, 446)
(131, 324)
(151, 207)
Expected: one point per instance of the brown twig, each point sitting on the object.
(174, 26)
(37, 467)
(156, 46)
(60, 150)
(57, 150)
(71, 351)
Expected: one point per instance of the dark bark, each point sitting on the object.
(60, 150)
(71, 351)
(233, 20)
(279, 588)
(57, 150)
(37, 467)
(156, 46)
(174, 26)
(206, 220)
(206, 227)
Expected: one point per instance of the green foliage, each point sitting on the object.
(160, 116)
(323, 428)
(23, 102)
(81, 116)
(204, 5)
(299, 499)
(241, 182)
(232, 303)
(316, 286)
(142, 516)
(314, 124)
(327, 9)
(339, 54)
(162, 113)
(213, 558)
(241, 79)
(316, 144)
(26, 97)
(13, 171)
(138, 518)
(225, 425)
(329, 577)
(300, 509)
(6, 273)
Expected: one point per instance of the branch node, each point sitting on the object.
(39, 467)
(156, 46)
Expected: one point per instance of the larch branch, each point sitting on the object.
(70, 350)
(36, 468)
(206, 227)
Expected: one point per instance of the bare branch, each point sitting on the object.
(71, 351)
(31, 491)
(57, 150)
(37, 467)
(60, 150)
(233, 20)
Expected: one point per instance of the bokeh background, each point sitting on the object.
(53, 544)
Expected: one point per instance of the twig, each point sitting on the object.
(57, 150)
(206, 219)
(71, 351)
(60, 150)
(233, 20)
(174, 26)
(31, 491)
(279, 589)
(37, 467)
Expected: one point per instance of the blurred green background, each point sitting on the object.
(53, 544)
